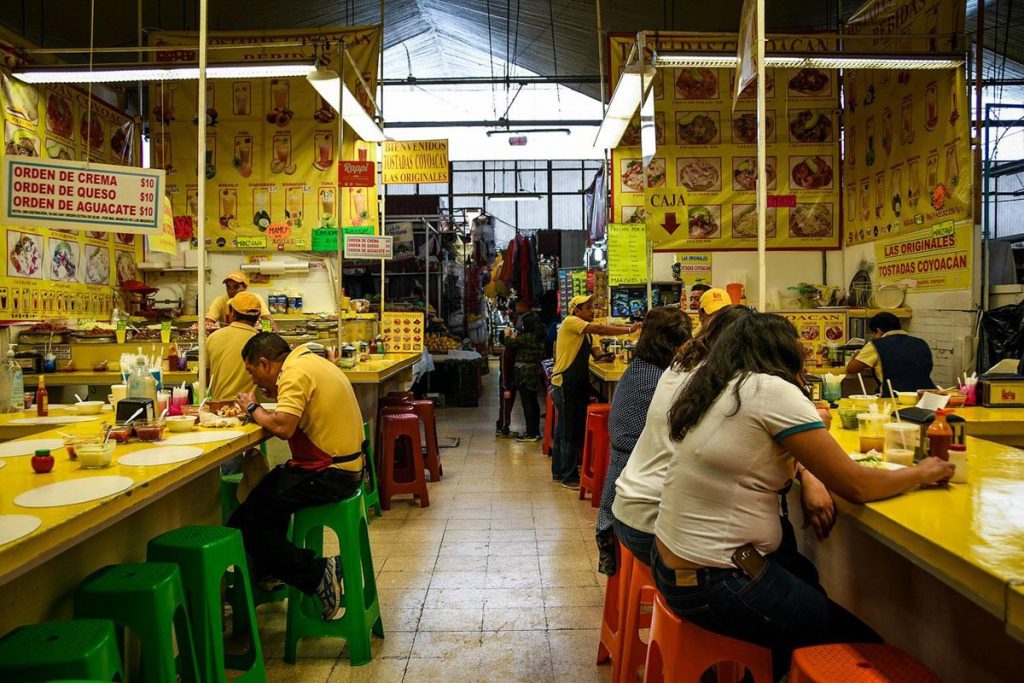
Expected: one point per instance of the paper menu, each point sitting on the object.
(402, 332)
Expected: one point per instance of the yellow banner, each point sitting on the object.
(415, 161)
(627, 254)
(698, 192)
(272, 144)
(907, 144)
(818, 329)
(694, 268)
(936, 259)
(165, 243)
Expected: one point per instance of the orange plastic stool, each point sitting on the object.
(394, 428)
(681, 651)
(596, 453)
(857, 663)
(425, 411)
(549, 425)
(640, 592)
(613, 620)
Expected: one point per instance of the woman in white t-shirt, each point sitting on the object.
(741, 421)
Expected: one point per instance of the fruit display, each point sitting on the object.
(441, 343)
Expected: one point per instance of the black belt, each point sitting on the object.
(339, 459)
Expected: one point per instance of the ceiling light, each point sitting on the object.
(335, 93)
(513, 197)
(697, 61)
(623, 105)
(149, 71)
(848, 61)
(523, 131)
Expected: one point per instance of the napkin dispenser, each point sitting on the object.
(126, 407)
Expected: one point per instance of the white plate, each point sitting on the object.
(857, 457)
(13, 527)
(196, 438)
(54, 420)
(28, 446)
(73, 491)
(165, 455)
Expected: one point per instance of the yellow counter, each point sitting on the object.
(379, 370)
(1015, 610)
(58, 379)
(610, 371)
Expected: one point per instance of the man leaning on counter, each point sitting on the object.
(233, 284)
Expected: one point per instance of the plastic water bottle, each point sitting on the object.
(12, 385)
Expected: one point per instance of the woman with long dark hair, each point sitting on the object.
(637, 486)
(741, 421)
(664, 333)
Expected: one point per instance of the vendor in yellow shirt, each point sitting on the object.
(228, 377)
(318, 414)
(233, 284)
(893, 356)
(570, 384)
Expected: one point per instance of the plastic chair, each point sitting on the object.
(359, 590)
(81, 648)
(148, 599)
(596, 453)
(204, 554)
(371, 495)
(616, 594)
(857, 663)
(549, 424)
(396, 428)
(681, 652)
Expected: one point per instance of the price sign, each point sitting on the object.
(368, 247)
(279, 231)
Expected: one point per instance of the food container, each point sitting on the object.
(862, 401)
(848, 416)
(150, 430)
(96, 455)
(870, 429)
(906, 398)
(957, 399)
(72, 444)
(902, 439)
(192, 411)
(121, 433)
(89, 407)
(180, 423)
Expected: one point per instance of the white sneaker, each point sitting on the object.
(328, 589)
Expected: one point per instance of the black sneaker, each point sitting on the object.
(527, 438)
(328, 589)
(506, 434)
(573, 484)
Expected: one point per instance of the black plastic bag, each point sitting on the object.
(1001, 335)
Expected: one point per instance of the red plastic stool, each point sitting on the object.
(857, 663)
(613, 620)
(405, 395)
(425, 411)
(596, 453)
(549, 425)
(395, 428)
(640, 591)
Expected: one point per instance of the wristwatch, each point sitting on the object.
(251, 407)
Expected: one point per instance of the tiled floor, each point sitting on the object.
(495, 581)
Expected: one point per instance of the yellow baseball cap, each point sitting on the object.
(714, 300)
(237, 276)
(578, 301)
(246, 303)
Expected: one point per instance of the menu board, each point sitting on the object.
(59, 273)
(402, 332)
(627, 254)
(935, 259)
(271, 144)
(699, 191)
(907, 143)
(818, 329)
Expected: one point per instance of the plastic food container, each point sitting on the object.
(72, 443)
(906, 398)
(96, 455)
(121, 434)
(848, 416)
(181, 423)
(151, 430)
(862, 401)
(89, 407)
(870, 429)
(901, 441)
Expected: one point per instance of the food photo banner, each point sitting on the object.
(699, 191)
(907, 144)
(272, 153)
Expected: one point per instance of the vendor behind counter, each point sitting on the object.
(228, 376)
(894, 356)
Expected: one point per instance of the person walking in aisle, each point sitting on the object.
(529, 350)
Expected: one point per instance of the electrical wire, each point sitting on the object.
(554, 52)
(490, 54)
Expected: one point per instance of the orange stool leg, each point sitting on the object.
(549, 424)
(857, 663)
(425, 411)
(616, 593)
(594, 439)
(641, 592)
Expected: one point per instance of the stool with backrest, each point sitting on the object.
(147, 599)
(371, 496)
(400, 434)
(549, 423)
(347, 519)
(613, 618)
(204, 555)
(80, 648)
(596, 453)
(857, 663)
(680, 652)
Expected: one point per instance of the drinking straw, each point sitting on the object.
(863, 389)
(889, 382)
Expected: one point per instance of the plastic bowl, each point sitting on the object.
(906, 398)
(121, 434)
(73, 443)
(181, 423)
(95, 455)
(848, 416)
(153, 430)
(956, 399)
(89, 407)
(862, 401)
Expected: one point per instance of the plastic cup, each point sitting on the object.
(179, 399)
(901, 442)
(163, 400)
(869, 428)
(165, 332)
(117, 392)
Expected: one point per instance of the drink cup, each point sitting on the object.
(869, 428)
(901, 442)
(117, 392)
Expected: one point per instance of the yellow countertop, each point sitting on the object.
(1015, 610)
(610, 371)
(63, 527)
(379, 370)
(971, 536)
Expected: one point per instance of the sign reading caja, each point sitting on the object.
(415, 161)
(937, 259)
(81, 195)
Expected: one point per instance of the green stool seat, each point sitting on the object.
(359, 586)
(204, 554)
(149, 600)
(82, 648)
(371, 496)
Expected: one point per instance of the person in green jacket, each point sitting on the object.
(528, 344)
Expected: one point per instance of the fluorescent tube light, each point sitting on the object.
(513, 197)
(329, 85)
(623, 105)
(524, 131)
(697, 61)
(149, 71)
(848, 61)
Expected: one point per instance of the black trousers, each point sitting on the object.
(264, 516)
(530, 398)
(505, 406)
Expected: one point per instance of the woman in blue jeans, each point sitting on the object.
(741, 424)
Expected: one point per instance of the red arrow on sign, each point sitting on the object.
(670, 224)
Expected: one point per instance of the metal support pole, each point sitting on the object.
(339, 210)
(762, 162)
(201, 197)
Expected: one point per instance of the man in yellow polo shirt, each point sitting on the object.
(318, 414)
(228, 377)
(233, 284)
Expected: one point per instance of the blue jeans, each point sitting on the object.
(639, 543)
(776, 609)
(565, 451)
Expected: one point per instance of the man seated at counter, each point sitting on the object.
(317, 413)
(228, 377)
(233, 284)
(894, 356)
(692, 303)
(712, 301)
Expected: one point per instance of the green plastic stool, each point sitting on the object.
(229, 495)
(359, 596)
(371, 496)
(82, 648)
(204, 554)
(148, 599)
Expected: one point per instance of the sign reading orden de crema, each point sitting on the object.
(86, 196)
(368, 247)
(415, 161)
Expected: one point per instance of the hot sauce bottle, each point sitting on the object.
(940, 435)
(42, 398)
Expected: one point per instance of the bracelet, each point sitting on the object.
(251, 407)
